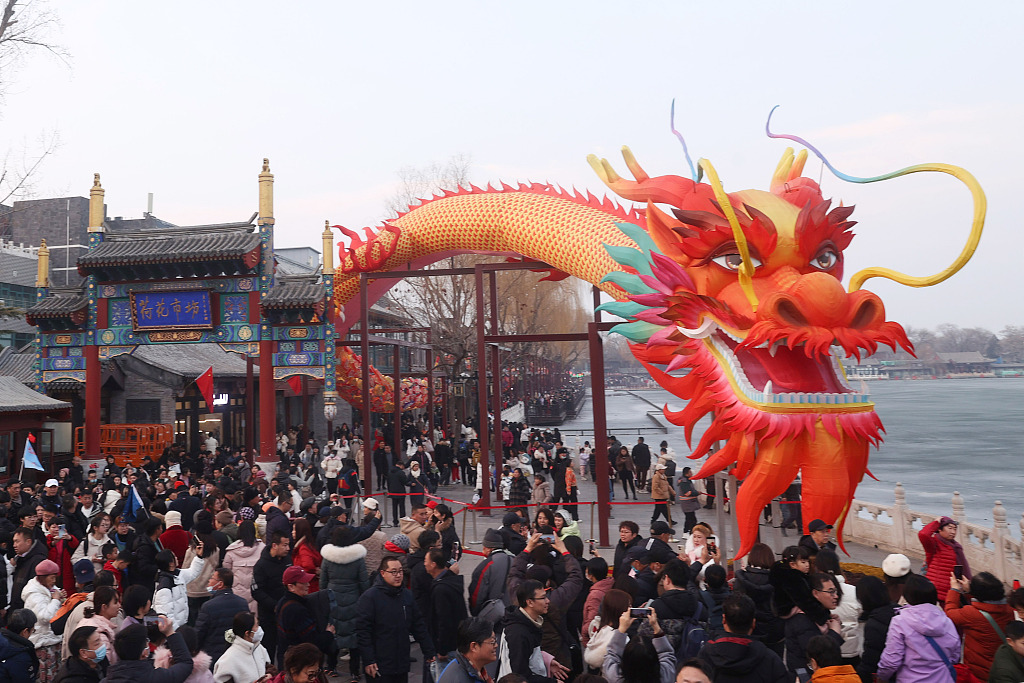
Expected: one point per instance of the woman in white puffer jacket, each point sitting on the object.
(41, 596)
(246, 659)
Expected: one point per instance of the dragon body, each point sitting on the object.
(741, 290)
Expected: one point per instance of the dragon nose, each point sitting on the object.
(819, 300)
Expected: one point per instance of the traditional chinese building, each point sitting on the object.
(159, 304)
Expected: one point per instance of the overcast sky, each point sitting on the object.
(184, 99)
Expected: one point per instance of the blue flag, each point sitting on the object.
(134, 508)
(30, 459)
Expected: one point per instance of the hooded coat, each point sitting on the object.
(411, 528)
(769, 628)
(18, 660)
(171, 596)
(343, 572)
(876, 628)
(741, 659)
(519, 648)
(241, 560)
(908, 657)
(980, 640)
(242, 661)
(792, 588)
(541, 493)
(447, 609)
(37, 598)
(592, 607)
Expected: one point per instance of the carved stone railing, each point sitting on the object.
(892, 528)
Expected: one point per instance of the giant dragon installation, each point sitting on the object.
(742, 290)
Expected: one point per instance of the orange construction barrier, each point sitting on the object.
(130, 444)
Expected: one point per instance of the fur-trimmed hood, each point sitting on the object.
(343, 554)
(200, 661)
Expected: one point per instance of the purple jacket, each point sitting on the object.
(908, 656)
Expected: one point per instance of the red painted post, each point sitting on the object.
(250, 409)
(600, 429)
(483, 428)
(268, 404)
(496, 383)
(396, 359)
(92, 401)
(364, 349)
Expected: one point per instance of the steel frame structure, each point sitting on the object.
(488, 445)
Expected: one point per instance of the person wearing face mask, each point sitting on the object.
(218, 613)
(106, 606)
(88, 660)
(135, 664)
(245, 659)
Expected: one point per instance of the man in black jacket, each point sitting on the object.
(447, 606)
(397, 488)
(737, 657)
(28, 554)
(267, 586)
(143, 570)
(642, 460)
(519, 648)
(800, 627)
(511, 532)
(296, 623)
(188, 505)
(218, 614)
(629, 536)
(386, 615)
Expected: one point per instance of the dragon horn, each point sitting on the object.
(633, 165)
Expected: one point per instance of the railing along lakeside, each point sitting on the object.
(892, 528)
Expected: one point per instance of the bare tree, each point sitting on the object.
(448, 303)
(1011, 343)
(25, 28)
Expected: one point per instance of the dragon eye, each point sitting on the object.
(733, 261)
(825, 260)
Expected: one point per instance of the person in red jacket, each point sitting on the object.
(967, 603)
(60, 547)
(942, 552)
(304, 552)
(175, 538)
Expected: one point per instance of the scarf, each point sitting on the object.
(961, 559)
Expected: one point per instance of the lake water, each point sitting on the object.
(941, 435)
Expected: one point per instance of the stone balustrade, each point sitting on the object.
(894, 528)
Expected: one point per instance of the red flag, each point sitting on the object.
(295, 382)
(31, 437)
(204, 383)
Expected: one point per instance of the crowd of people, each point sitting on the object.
(202, 568)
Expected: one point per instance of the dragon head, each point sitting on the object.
(744, 291)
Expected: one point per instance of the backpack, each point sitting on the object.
(60, 619)
(670, 468)
(694, 635)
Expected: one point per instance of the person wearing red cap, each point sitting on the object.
(294, 616)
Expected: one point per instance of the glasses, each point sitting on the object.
(394, 572)
(489, 641)
(830, 591)
(540, 597)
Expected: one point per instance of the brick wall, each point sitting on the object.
(61, 221)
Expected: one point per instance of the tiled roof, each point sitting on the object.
(192, 360)
(57, 306)
(295, 292)
(962, 357)
(17, 365)
(14, 324)
(16, 397)
(213, 243)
